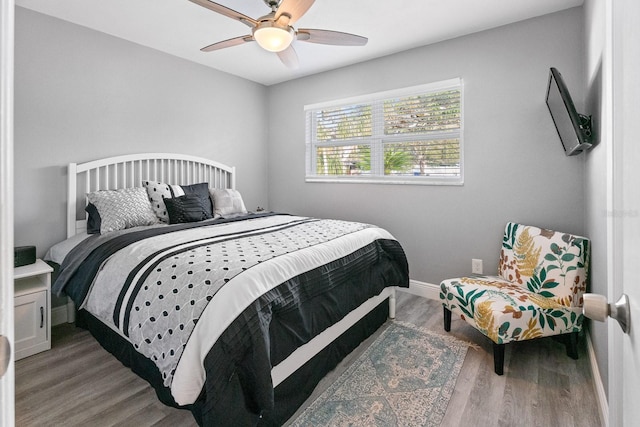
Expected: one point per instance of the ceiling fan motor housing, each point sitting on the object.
(272, 35)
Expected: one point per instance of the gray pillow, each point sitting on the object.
(124, 208)
(226, 202)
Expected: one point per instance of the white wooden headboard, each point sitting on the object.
(130, 170)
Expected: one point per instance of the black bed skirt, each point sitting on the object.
(289, 395)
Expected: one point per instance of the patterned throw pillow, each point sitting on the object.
(124, 208)
(187, 208)
(227, 202)
(159, 191)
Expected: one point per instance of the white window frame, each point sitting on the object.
(377, 140)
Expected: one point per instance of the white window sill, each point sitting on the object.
(391, 180)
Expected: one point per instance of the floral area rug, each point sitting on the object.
(405, 378)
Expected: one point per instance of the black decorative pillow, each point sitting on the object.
(93, 221)
(202, 190)
(187, 208)
(159, 191)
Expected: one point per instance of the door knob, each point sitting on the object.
(5, 354)
(597, 308)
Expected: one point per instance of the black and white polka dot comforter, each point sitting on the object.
(176, 292)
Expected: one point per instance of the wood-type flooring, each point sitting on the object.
(77, 383)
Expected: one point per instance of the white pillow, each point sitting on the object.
(124, 208)
(226, 202)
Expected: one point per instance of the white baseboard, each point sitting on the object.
(601, 396)
(422, 289)
(58, 315)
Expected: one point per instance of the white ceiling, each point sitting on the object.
(181, 28)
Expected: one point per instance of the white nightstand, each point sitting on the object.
(32, 308)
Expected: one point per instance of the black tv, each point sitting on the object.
(574, 129)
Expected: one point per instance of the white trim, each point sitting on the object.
(386, 180)
(422, 289)
(614, 75)
(598, 386)
(7, 39)
(59, 315)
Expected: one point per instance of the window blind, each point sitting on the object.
(413, 135)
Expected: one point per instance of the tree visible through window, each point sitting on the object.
(411, 135)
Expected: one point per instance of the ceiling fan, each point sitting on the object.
(274, 31)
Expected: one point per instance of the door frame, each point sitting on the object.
(614, 245)
(623, 205)
(7, 382)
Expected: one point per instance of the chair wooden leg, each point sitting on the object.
(447, 319)
(498, 358)
(572, 345)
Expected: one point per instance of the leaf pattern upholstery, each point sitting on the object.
(542, 276)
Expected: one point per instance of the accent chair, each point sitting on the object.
(542, 275)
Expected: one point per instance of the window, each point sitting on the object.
(406, 136)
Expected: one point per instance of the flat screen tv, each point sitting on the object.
(574, 129)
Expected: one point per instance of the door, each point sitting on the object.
(7, 411)
(624, 350)
(30, 320)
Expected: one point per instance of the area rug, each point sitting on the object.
(405, 378)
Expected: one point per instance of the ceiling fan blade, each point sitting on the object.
(293, 8)
(223, 10)
(289, 57)
(337, 38)
(227, 43)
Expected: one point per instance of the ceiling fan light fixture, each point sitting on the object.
(272, 37)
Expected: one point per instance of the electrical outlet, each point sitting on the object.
(476, 266)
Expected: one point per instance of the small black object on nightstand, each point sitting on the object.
(24, 255)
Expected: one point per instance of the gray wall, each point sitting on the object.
(515, 168)
(597, 168)
(82, 95)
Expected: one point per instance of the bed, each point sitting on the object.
(234, 315)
